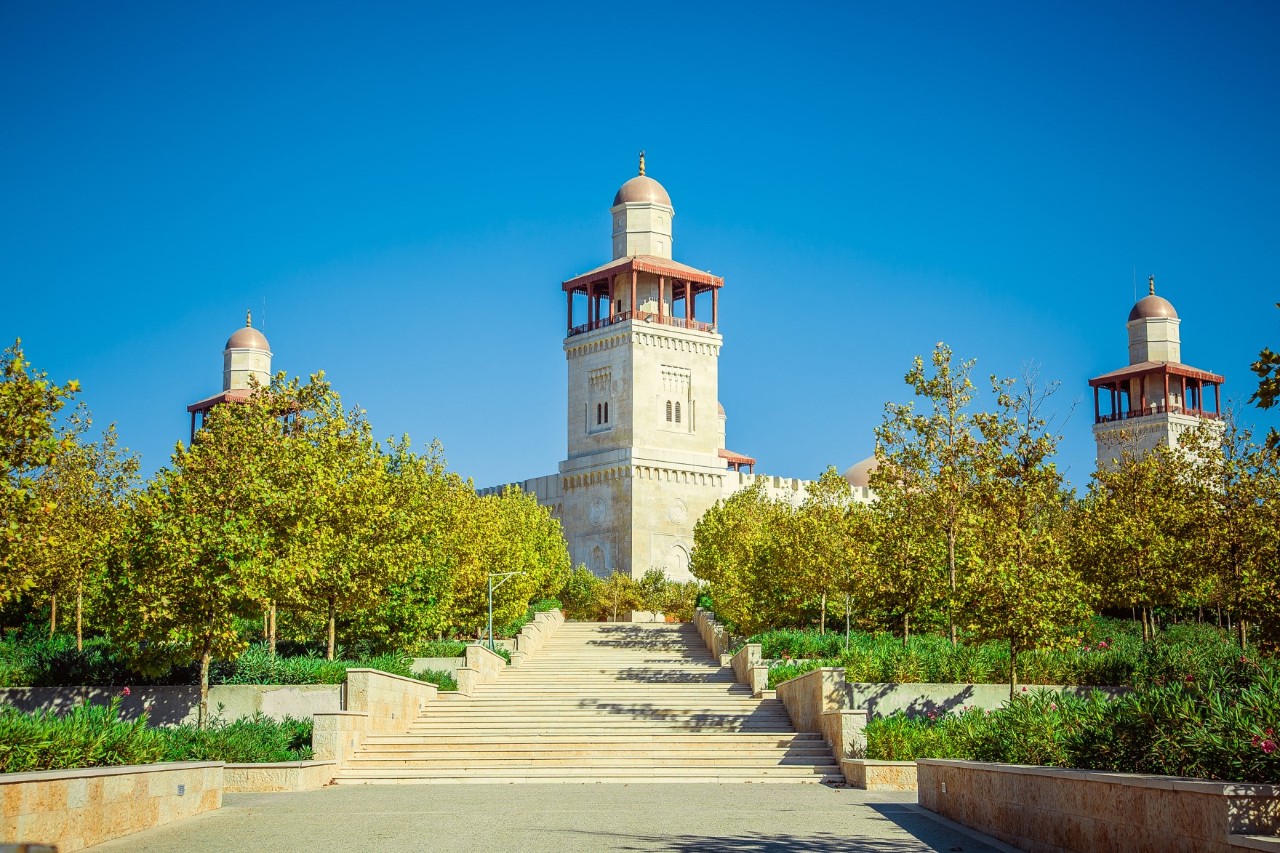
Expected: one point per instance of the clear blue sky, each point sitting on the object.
(404, 187)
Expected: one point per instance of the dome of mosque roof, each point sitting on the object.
(1151, 307)
(859, 475)
(247, 337)
(642, 188)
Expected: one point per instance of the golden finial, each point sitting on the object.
(1151, 285)
(642, 161)
(248, 319)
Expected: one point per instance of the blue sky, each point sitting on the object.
(397, 191)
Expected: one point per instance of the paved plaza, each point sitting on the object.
(707, 818)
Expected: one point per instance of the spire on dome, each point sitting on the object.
(642, 161)
(248, 319)
(1151, 285)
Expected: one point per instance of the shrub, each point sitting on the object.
(42, 661)
(440, 678)
(253, 740)
(440, 649)
(257, 666)
(88, 736)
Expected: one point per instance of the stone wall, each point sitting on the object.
(74, 809)
(919, 699)
(172, 705)
(713, 634)
(481, 666)
(276, 777)
(818, 701)
(879, 775)
(749, 669)
(376, 702)
(1052, 810)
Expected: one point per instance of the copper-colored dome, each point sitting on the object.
(642, 188)
(248, 338)
(1151, 307)
(859, 475)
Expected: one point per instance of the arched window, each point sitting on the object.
(668, 410)
(597, 414)
(677, 413)
(606, 412)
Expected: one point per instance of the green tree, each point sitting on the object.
(1237, 514)
(30, 440)
(578, 595)
(90, 484)
(903, 582)
(618, 592)
(195, 545)
(938, 448)
(1267, 369)
(1023, 588)
(1135, 531)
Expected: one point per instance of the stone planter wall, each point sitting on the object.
(481, 666)
(818, 701)
(749, 669)
(1050, 810)
(713, 634)
(879, 775)
(74, 809)
(283, 776)
(534, 634)
(173, 705)
(918, 699)
(376, 702)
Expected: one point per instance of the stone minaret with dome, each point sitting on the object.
(1157, 397)
(646, 454)
(245, 358)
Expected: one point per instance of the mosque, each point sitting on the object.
(647, 452)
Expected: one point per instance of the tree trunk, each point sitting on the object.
(205, 656)
(332, 628)
(1013, 669)
(846, 622)
(80, 618)
(822, 623)
(1146, 626)
(53, 614)
(271, 628)
(951, 566)
(906, 628)
(1243, 627)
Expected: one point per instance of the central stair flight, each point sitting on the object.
(602, 702)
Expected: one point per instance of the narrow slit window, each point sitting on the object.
(677, 413)
(668, 410)
(606, 412)
(597, 414)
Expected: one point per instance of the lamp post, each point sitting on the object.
(503, 577)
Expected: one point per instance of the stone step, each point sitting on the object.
(728, 740)
(815, 772)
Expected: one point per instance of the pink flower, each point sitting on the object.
(125, 692)
(1024, 690)
(1268, 746)
(1102, 644)
(1053, 706)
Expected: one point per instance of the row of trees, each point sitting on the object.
(973, 529)
(284, 504)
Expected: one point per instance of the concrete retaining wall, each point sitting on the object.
(376, 702)
(449, 665)
(480, 666)
(1049, 809)
(715, 635)
(74, 809)
(916, 700)
(749, 669)
(167, 706)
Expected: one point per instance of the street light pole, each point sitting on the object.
(503, 578)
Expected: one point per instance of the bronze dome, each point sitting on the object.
(247, 337)
(1152, 307)
(642, 188)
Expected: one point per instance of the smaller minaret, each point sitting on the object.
(246, 354)
(642, 215)
(1157, 397)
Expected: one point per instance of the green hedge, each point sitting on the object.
(257, 666)
(95, 736)
(1218, 725)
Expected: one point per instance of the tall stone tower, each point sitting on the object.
(1157, 397)
(247, 355)
(645, 430)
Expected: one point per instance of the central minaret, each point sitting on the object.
(644, 433)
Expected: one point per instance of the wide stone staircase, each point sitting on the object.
(602, 702)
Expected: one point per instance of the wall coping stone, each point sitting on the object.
(92, 772)
(877, 762)
(1255, 842)
(1136, 780)
(271, 765)
(387, 675)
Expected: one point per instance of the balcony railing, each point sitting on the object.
(642, 316)
(1154, 410)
